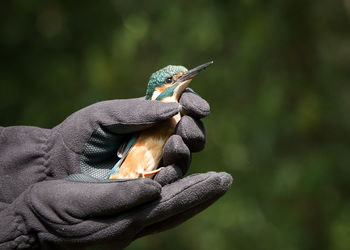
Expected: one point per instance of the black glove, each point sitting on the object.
(87, 141)
(76, 214)
(83, 147)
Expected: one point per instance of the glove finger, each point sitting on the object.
(194, 105)
(130, 115)
(176, 152)
(192, 192)
(192, 132)
(121, 116)
(66, 202)
(168, 174)
(176, 219)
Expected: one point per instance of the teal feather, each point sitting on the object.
(129, 145)
(167, 92)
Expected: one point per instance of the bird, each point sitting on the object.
(139, 156)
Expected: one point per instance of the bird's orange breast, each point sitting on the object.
(147, 151)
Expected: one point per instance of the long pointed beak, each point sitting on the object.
(194, 72)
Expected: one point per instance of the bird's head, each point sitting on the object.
(168, 83)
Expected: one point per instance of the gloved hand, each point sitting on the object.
(84, 208)
(87, 141)
(64, 214)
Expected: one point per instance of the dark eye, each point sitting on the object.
(169, 80)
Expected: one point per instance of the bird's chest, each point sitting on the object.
(160, 131)
(147, 151)
(154, 139)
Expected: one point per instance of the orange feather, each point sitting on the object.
(147, 151)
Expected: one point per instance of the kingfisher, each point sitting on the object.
(139, 156)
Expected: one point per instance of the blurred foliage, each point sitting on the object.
(279, 92)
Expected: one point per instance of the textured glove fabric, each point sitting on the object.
(23, 159)
(193, 104)
(52, 191)
(64, 214)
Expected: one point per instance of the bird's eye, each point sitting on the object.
(169, 80)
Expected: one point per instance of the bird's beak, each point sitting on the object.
(193, 72)
(183, 81)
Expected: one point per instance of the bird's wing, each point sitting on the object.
(122, 153)
(122, 149)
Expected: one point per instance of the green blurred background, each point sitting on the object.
(279, 93)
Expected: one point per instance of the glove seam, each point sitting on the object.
(66, 146)
(47, 156)
(26, 237)
(23, 236)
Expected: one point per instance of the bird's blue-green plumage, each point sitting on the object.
(158, 78)
(167, 92)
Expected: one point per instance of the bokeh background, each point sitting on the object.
(279, 93)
